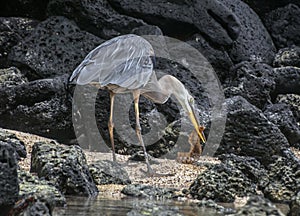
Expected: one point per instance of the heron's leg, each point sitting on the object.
(136, 96)
(111, 125)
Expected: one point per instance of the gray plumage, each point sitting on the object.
(123, 61)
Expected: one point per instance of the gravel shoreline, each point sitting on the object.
(182, 175)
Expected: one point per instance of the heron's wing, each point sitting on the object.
(124, 61)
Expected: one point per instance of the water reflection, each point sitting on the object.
(106, 207)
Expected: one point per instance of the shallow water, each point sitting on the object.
(105, 207)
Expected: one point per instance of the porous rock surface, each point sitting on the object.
(9, 185)
(64, 166)
(249, 133)
(108, 172)
(283, 24)
(55, 47)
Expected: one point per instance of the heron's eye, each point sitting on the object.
(191, 100)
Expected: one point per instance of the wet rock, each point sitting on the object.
(257, 205)
(249, 133)
(13, 30)
(254, 42)
(9, 185)
(219, 59)
(289, 56)
(30, 93)
(222, 183)
(152, 208)
(42, 107)
(284, 175)
(282, 116)
(42, 190)
(10, 77)
(210, 204)
(64, 166)
(185, 18)
(148, 191)
(99, 17)
(293, 101)
(12, 140)
(295, 205)
(28, 8)
(108, 172)
(53, 48)
(37, 208)
(287, 81)
(252, 80)
(283, 24)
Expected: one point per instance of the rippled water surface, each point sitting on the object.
(100, 206)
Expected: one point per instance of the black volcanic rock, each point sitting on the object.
(289, 56)
(284, 175)
(10, 77)
(287, 81)
(258, 205)
(254, 42)
(218, 58)
(263, 7)
(293, 100)
(13, 30)
(252, 80)
(97, 17)
(24, 8)
(295, 205)
(249, 166)
(176, 18)
(149, 191)
(221, 183)
(42, 107)
(108, 172)
(64, 166)
(55, 47)
(9, 185)
(283, 24)
(249, 133)
(14, 142)
(282, 116)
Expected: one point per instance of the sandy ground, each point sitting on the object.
(182, 175)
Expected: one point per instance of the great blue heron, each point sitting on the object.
(124, 64)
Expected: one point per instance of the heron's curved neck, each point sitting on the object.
(171, 85)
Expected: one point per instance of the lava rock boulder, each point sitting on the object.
(55, 47)
(221, 183)
(97, 17)
(252, 80)
(9, 185)
(249, 133)
(108, 172)
(64, 166)
(284, 24)
(289, 56)
(282, 116)
(254, 41)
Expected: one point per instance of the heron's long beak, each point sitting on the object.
(197, 126)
